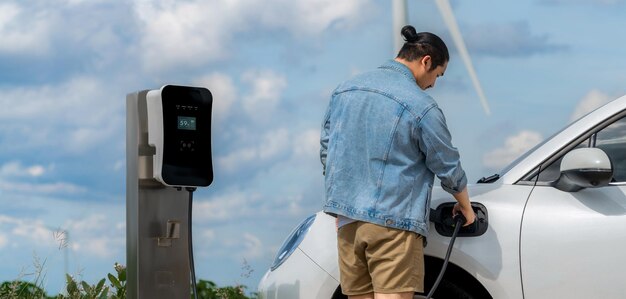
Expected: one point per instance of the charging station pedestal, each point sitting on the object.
(157, 258)
(163, 155)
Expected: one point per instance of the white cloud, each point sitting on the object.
(512, 39)
(80, 139)
(79, 2)
(590, 2)
(95, 235)
(36, 170)
(235, 159)
(92, 236)
(102, 247)
(294, 205)
(192, 33)
(208, 235)
(93, 222)
(41, 188)
(590, 102)
(13, 175)
(307, 143)
(119, 165)
(223, 90)
(183, 33)
(3, 240)
(513, 147)
(75, 115)
(267, 88)
(23, 31)
(253, 247)
(310, 18)
(72, 29)
(4, 219)
(271, 145)
(72, 101)
(16, 169)
(33, 230)
(274, 143)
(234, 205)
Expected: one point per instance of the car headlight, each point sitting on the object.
(292, 242)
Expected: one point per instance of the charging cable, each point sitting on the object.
(459, 220)
(194, 289)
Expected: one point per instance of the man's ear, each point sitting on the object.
(426, 62)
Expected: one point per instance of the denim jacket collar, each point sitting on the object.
(399, 67)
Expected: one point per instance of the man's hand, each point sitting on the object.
(468, 213)
(464, 206)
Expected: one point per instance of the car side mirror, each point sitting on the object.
(584, 168)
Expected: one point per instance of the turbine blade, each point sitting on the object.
(448, 18)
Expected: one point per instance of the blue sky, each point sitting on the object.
(66, 67)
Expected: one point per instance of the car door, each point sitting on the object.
(572, 244)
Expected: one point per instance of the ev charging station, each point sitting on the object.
(168, 155)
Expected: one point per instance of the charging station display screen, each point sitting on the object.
(187, 136)
(186, 123)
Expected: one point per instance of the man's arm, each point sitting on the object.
(443, 159)
(464, 206)
(324, 137)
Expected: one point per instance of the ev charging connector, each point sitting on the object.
(452, 226)
(168, 149)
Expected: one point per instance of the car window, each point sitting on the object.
(611, 139)
(553, 171)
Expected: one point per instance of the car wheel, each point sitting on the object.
(447, 290)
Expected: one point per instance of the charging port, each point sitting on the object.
(444, 224)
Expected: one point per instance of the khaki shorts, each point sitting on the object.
(379, 259)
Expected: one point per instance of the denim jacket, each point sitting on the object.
(383, 140)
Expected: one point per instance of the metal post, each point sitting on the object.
(157, 258)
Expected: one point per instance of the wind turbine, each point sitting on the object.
(399, 12)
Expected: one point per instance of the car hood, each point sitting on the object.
(475, 191)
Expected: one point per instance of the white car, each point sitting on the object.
(553, 225)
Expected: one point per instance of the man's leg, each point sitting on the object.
(404, 295)
(365, 247)
(396, 262)
(366, 296)
(354, 276)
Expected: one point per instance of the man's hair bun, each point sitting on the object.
(409, 33)
(418, 45)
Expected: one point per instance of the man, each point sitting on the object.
(383, 140)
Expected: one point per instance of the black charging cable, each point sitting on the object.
(459, 220)
(194, 289)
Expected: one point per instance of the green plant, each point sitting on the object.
(208, 290)
(76, 289)
(21, 289)
(118, 282)
(83, 290)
